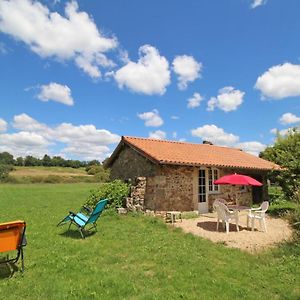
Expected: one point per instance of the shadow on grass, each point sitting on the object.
(212, 226)
(7, 270)
(75, 234)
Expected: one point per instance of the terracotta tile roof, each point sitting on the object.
(179, 153)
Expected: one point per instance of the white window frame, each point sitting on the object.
(213, 188)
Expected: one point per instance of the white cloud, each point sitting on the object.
(3, 125)
(274, 130)
(280, 81)
(194, 101)
(149, 75)
(229, 99)
(215, 135)
(158, 134)
(88, 153)
(24, 143)
(289, 118)
(3, 49)
(83, 141)
(56, 92)
(252, 147)
(256, 3)
(174, 117)
(74, 36)
(151, 118)
(187, 69)
(285, 131)
(24, 122)
(219, 137)
(84, 134)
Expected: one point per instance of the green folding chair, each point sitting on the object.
(82, 220)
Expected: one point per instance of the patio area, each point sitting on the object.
(247, 240)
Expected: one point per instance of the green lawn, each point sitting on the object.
(132, 257)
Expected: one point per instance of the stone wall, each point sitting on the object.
(135, 202)
(170, 189)
(130, 164)
(244, 197)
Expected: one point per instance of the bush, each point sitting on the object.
(115, 191)
(281, 208)
(276, 194)
(294, 218)
(99, 172)
(4, 171)
(190, 215)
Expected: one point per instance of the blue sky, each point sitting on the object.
(76, 76)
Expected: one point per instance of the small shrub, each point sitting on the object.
(294, 218)
(11, 179)
(115, 191)
(4, 171)
(281, 208)
(92, 170)
(276, 194)
(101, 174)
(190, 215)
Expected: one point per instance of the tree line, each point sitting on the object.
(47, 161)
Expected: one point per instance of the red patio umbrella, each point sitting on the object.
(237, 179)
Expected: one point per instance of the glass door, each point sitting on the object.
(202, 194)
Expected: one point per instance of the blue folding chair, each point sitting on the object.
(81, 220)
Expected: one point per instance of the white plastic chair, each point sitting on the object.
(258, 214)
(225, 215)
(222, 201)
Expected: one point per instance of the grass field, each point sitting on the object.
(132, 257)
(39, 174)
(45, 171)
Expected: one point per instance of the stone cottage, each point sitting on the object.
(180, 176)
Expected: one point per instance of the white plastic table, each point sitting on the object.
(238, 207)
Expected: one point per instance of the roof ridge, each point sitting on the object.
(179, 142)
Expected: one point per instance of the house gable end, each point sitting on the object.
(129, 164)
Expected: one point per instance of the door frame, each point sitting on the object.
(201, 207)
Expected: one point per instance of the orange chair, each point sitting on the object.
(12, 238)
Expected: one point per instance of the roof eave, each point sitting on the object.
(162, 162)
(123, 142)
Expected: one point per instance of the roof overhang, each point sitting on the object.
(125, 141)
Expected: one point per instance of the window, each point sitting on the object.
(213, 174)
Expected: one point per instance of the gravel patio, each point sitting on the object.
(278, 230)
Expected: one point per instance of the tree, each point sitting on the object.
(74, 164)
(6, 158)
(58, 161)
(93, 162)
(19, 161)
(286, 153)
(31, 161)
(46, 161)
